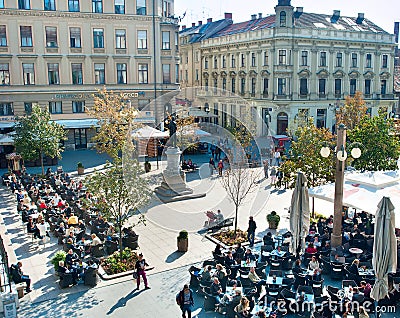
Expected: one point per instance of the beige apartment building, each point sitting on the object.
(58, 53)
(287, 64)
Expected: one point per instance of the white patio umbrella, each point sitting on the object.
(384, 259)
(299, 214)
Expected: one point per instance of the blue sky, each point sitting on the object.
(383, 13)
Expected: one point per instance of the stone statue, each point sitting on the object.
(172, 130)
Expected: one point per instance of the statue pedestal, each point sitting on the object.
(173, 187)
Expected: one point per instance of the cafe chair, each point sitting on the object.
(209, 302)
(66, 280)
(91, 277)
(286, 281)
(337, 271)
(273, 290)
(97, 251)
(288, 296)
(111, 247)
(209, 262)
(275, 264)
(348, 283)
(287, 262)
(305, 289)
(246, 282)
(277, 273)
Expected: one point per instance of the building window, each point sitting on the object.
(26, 35)
(142, 39)
(265, 87)
(24, 4)
(51, 37)
(29, 73)
(265, 58)
(253, 59)
(4, 74)
(177, 41)
(215, 62)
(206, 84)
(99, 73)
(55, 107)
(233, 60)
(77, 77)
(353, 86)
(339, 59)
(28, 107)
(383, 87)
(282, 57)
(165, 40)
(281, 86)
(166, 72)
(242, 86)
(206, 63)
(177, 74)
(322, 59)
(166, 8)
(6, 109)
(197, 75)
(49, 5)
(75, 37)
(120, 39)
(243, 60)
(215, 85)
(282, 19)
(233, 85)
(97, 6)
(98, 38)
(141, 7)
(53, 74)
(304, 58)
(3, 35)
(353, 59)
(73, 6)
(321, 118)
(338, 88)
(224, 84)
(367, 87)
(368, 62)
(121, 73)
(119, 6)
(384, 60)
(143, 70)
(1, 4)
(253, 86)
(322, 87)
(78, 106)
(142, 103)
(223, 61)
(303, 87)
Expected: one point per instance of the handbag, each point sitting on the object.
(135, 275)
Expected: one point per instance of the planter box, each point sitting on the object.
(81, 171)
(183, 245)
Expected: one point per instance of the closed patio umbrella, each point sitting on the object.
(299, 213)
(384, 259)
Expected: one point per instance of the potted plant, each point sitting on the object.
(81, 168)
(183, 241)
(273, 220)
(147, 166)
(59, 256)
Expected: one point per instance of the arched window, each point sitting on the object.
(282, 123)
(282, 21)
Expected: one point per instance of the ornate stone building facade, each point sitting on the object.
(288, 64)
(59, 52)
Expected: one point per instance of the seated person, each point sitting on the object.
(110, 231)
(316, 242)
(32, 228)
(365, 288)
(297, 269)
(43, 229)
(316, 276)
(268, 240)
(311, 249)
(219, 217)
(18, 276)
(81, 225)
(211, 218)
(190, 164)
(95, 240)
(249, 256)
(278, 252)
(206, 276)
(220, 273)
(326, 248)
(358, 235)
(73, 219)
(239, 253)
(313, 264)
(62, 269)
(229, 260)
(313, 228)
(71, 258)
(234, 300)
(218, 250)
(216, 290)
(185, 166)
(256, 279)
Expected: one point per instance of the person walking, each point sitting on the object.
(185, 300)
(141, 271)
(220, 167)
(273, 175)
(211, 166)
(266, 169)
(251, 231)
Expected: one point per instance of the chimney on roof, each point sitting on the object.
(183, 27)
(193, 24)
(360, 18)
(253, 16)
(299, 11)
(335, 16)
(200, 22)
(228, 16)
(396, 32)
(209, 20)
(260, 15)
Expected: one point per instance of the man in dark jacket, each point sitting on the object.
(251, 231)
(18, 276)
(185, 300)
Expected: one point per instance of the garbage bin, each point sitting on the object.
(9, 306)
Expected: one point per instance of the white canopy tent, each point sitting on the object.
(147, 132)
(364, 191)
(6, 139)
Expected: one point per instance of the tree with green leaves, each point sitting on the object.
(36, 136)
(352, 112)
(115, 117)
(380, 147)
(120, 190)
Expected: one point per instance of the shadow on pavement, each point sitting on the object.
(123, 300)
(173, 257)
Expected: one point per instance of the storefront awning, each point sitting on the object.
(6, 124)
(77, 123)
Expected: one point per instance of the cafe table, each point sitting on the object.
(231, 290)
(366, 272)
(357, 251)
(270, 280)
(245, 264)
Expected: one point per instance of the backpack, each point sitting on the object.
(179, 298)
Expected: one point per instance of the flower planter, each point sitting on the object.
(183, 244)
(81, 171)
(273, 225)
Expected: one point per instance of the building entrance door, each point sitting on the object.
(282, 123)
(80, 138)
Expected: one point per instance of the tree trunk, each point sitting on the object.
(120, 240)
(313, 208)
(236, 216)
(41, 162)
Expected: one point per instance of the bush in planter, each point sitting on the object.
(81, 168)
(59, 256)
(115, 265)
(273, 220)
(183, 241)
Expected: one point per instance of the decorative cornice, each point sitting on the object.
(253, 73)
(232, 73)
(242, 73)
(304, 73)
(384, 75)
(323, 73)
(354, 74)
(223, 74)
(369, 75)
(265, 73)
(206, 75)
(214, 74)
(338, 74)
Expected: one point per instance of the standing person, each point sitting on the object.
(277, 157)
(185, 300)
(273, 175)
(251, 231)
(217, 153)
(211, 166)
(266, 168)
(220, 167)
(141, 271)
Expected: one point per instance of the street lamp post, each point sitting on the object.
(341, 156)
